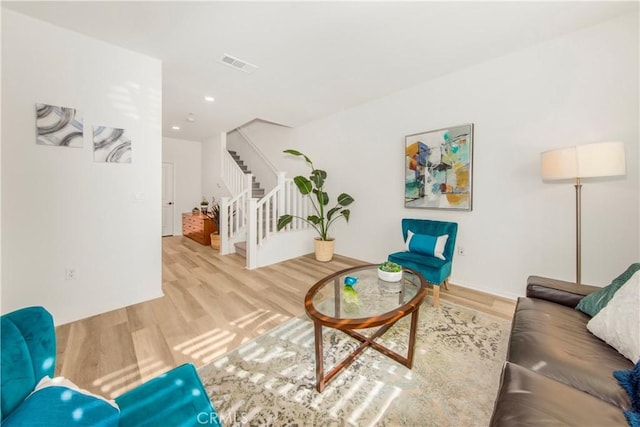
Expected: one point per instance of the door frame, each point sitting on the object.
(173, 203)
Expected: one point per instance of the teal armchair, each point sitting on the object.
(436, 271)
(28, 349)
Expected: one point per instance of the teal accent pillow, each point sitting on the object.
(62, 406)
(425, 244)
(630, 382)
(593, 303)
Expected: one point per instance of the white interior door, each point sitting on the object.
(167, 199)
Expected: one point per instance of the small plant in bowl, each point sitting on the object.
(204, 206)
(390, 271)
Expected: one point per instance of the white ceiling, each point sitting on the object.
(314, 58)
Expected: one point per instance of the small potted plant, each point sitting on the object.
(214, 214)
(204, 206)
(390, 271)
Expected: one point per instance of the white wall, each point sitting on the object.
(211, 169)
(1, 225)
(576, 89)
(59, 208)
(265, 177)
(186, 158)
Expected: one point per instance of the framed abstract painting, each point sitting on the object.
(111, 145)
(439, 169)
(59, 126)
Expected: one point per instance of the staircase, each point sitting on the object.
(248, 219)
(257, 192)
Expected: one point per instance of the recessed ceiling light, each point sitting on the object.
(175, 127)
(191, 118)
(209, 98)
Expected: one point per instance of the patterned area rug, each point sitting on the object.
(270, 381)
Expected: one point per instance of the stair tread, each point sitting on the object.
(256, 190)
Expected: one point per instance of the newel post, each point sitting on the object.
(223, 151)
(281, 193)
(248, 183)
(252, 233)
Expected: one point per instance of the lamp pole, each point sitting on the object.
(578, 230)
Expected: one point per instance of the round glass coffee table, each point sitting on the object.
(369, 303)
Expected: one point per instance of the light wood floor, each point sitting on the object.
(212, 304)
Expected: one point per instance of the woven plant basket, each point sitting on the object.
(324, 249)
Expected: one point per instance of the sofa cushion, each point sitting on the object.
(526, 398)
(62, 406)
(433, 269)
(618, 323)
(593, 303)
(553, 340)
(175, 398)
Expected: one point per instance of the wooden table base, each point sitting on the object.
(323, 379)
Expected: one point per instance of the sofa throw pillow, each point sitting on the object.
(633, 418)
(59, 405)
(630, 382)
(426, 245)
(593, 303)
(618, 323)
(47, 381)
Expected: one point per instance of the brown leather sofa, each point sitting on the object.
(557, 372)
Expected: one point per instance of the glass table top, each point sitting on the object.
(368, 297)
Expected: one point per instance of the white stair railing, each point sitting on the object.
(294, 203)
(264, 213)
(233, 177)
(234, 217)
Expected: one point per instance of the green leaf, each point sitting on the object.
(346, 214)
(323, 197)
(317, 177)
(332, 211)
(303, 184)
(283, 221)
(344, 199)
(297, 153)
(315, 219)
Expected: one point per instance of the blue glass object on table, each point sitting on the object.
(350, 280)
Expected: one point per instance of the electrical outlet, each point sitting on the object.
(70, 274)
(461, 251)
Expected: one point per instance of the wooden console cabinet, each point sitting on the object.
(197, 227)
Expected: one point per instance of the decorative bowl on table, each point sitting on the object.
(390, 271)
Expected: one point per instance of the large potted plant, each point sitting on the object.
(324, 216)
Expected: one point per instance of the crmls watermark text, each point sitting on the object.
(212, 418)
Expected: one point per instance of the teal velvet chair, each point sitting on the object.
(28, 348)
(434, 270)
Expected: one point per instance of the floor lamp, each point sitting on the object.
(602, 159)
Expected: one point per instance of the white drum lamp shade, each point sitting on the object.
(597, 160)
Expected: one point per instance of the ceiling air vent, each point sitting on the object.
(238, 64)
